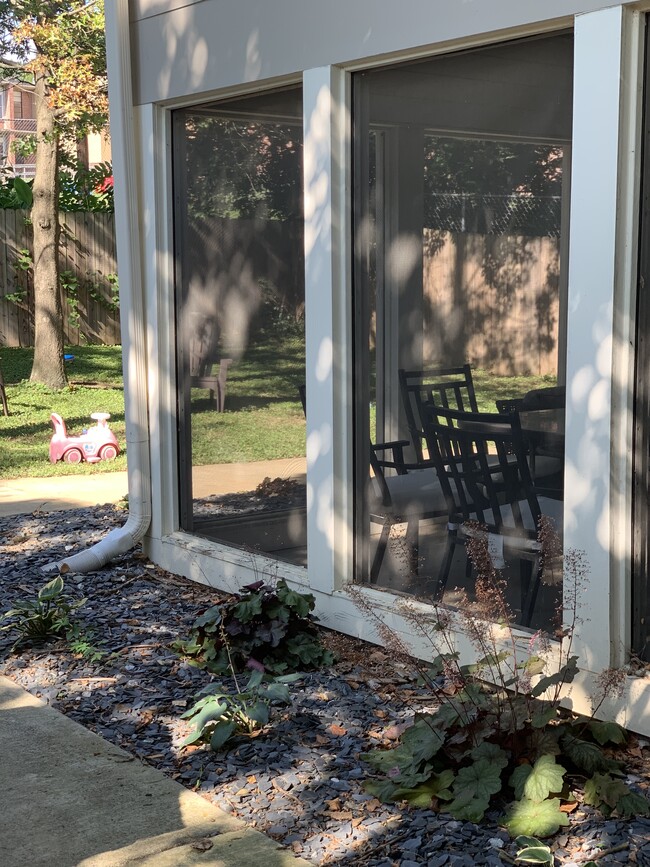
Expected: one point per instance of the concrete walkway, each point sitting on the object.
(71, 799)
(23, 496)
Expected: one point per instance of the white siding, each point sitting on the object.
(200, 47)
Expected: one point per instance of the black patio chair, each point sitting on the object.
(406, 494)
(546, 463)
(483, 470)
(448, 387)
(411, 495)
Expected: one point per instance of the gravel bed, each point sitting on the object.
(301, 781)
(271, 495)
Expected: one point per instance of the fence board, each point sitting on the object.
(492, 300)
(87, 250)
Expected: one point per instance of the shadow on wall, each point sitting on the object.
(234, 268)
(493, 300)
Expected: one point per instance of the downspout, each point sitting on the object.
(134, 345)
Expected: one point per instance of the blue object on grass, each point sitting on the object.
(68, 357)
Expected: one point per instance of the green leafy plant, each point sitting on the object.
(70, 286)
(82, 642)
(532, 851)
(271, 626)
(500, 734)
(82, 189)
(98, 285)
(15, 297)
(47, 616)
(24, 261)
(15, 192)
(220, 715)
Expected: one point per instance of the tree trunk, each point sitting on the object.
(48, 367)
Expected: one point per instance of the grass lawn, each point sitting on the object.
(263, 418)
(490, 387)
(25, 434)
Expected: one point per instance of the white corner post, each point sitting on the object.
(603, 155)
(328, 324)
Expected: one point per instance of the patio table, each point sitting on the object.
(543, 431)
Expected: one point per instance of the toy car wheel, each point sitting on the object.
(73, 456)
(108, 453)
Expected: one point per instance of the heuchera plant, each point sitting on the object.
(271, 626)
(499, 734)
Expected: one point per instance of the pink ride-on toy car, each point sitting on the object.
(98, 443)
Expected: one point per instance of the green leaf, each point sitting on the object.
(542, 717)
(524, 842)
(545, 778)
(212, 711)
(468, 809)
(446, 716)
(603, 788)
(211, 616)
(535, 818)
(422, 795)
(383, 790)
(248, 608)
(301, 603)
(491, 660)
(220, 735)
(421, 740)
(399, 763)
(53, 588)
(518, 780)
(195, 708)
(546, 741)
(23, 192)
(277, 692)
(631, 805)
(212, 689)
(534, 665)
(565, 674)
(539, 854)
(259, 713)
(254, 680)
(193, 738)
(587, 756)
(480, 780)
(607, 732)
(384, 760)
(492, 752)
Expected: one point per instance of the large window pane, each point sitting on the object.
(240, 321)
(462, 181)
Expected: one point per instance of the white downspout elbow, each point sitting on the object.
(128, 207)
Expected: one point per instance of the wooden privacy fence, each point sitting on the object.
(489, 299)
(492, 300)
(88, 279)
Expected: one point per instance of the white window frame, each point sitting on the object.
(602, 267)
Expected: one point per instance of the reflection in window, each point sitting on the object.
(460, 209)
(240, 321)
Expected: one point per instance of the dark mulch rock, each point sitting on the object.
(300, 782)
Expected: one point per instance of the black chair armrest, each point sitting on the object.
(397, 462)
